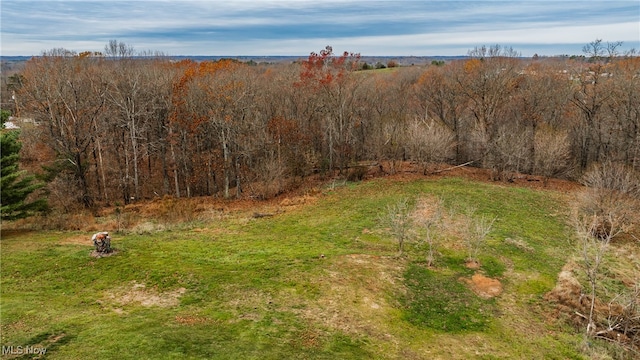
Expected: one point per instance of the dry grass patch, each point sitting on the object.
(190, 320)
(298, 200)
(247, 304)
(139, 294)
(76, 240)
(354, 295)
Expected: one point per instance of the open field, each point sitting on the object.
(318, 278)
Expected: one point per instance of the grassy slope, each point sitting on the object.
(259, 288)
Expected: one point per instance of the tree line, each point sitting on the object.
(121, 126)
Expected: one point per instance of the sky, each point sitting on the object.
(296, 28)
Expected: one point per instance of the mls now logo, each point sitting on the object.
(23, 350)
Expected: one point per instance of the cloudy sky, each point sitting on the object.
(297, 27)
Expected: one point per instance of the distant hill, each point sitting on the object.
(9, 62)
(401, 60)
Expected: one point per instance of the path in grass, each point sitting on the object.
(318, 281)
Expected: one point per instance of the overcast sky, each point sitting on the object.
(288, 27)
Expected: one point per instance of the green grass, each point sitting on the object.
(261, 289)
(443, 303)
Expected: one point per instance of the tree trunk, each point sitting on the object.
(175, 167)
(134, 147)
(227, 170)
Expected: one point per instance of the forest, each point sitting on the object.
(121, 126)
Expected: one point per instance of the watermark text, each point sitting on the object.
(23, 350)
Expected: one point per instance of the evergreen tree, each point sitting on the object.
(16, 185)
(4, 115)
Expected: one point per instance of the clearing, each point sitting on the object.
(316, 277)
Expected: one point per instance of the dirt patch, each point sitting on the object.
(139, 294)
(483, 286)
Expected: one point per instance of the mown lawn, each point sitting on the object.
(318, 281)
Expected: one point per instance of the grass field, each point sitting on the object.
(319, 280)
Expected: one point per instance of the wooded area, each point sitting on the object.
(119, 127)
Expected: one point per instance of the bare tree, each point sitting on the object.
(65, 92)
(488, 82)
(118, 49)
(594, 244)
(594, 50)
(131, 103)
(476, 229)
(539, 100)
(552, 156)
(399, 221)
(624, 111)
(438, 98)
(592, 93)
(509, 151)
(428, 215)
(612, 196)
(430, 142)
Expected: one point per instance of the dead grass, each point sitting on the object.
(567, 294)
(354, 294)
(298, 200)
(247, 303)
(77, 240)
(190, 320)
(139, 294)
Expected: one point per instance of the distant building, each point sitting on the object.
(11, 125)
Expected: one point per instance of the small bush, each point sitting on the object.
(612, 195)
(430, 143)
(552, 156)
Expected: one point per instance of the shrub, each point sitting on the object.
(430, 143)
(552, 157)
(612, 196)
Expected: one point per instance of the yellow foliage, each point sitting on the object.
(472, 65)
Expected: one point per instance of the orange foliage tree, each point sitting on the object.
(329, 78)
